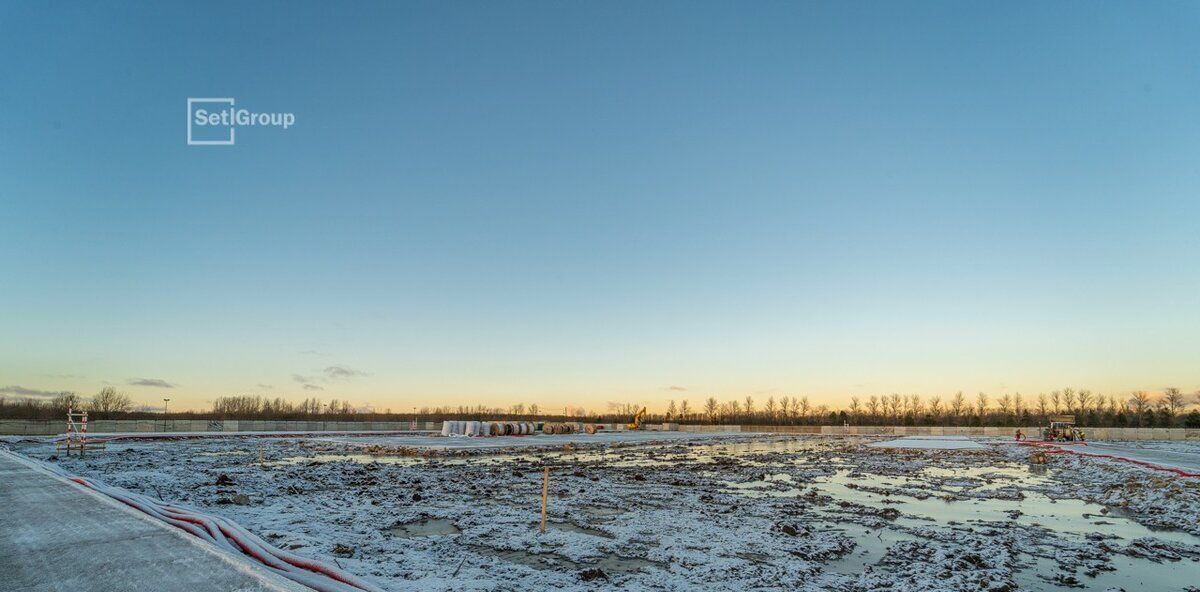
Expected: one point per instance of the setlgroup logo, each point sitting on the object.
(214, 121)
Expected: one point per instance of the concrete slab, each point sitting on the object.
(57, 536)
(930, 443)
(1182, 456)
(538, 440)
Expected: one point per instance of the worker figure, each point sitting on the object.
(1020, 435)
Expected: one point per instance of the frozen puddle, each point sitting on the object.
(610, 564)
(575, 528)
(425, 528)
(1041, 533)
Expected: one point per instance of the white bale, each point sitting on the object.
(446, 428)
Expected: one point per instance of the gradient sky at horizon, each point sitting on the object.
(576, 203)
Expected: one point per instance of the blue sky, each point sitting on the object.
(575, 203)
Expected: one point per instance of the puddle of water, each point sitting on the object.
(1068, 517)
(554, 562)
(601, 511)
(575, 528)
(541, 561)
(870, 546)
(425, 528)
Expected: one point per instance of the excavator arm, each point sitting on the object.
(637, 420)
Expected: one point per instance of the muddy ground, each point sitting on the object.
(732, 513)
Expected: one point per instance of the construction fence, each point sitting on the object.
(1032, 432)
(23, 427)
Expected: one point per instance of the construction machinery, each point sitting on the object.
(1062, 429)
(637, 420)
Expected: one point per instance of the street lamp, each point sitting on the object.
(165, 414)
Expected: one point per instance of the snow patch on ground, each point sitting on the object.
(729, 513)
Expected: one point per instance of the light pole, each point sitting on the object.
(165, 414)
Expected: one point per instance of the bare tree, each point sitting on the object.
(1085, 399)
(749, 406)
(710, 409)
(1068, 396)
(895, 403)
(671, 409)
(873, 406)
(981, 403)
(1140, 403)
(1042, 404)
(785, 407)
(1005, 404)
(855, 407)
(914, 405)
(805, 407)
(958, 404)
(771, 408)
(685, 410)
(1056, 401)
(1174, 400)
(108, 400)
(935, 407)
(66, 400)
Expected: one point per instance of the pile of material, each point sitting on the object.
(560, 428)
(489, 428)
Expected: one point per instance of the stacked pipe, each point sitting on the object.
(560, 428)
(452, 427)
(225, 534)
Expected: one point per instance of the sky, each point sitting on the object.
(577, 203)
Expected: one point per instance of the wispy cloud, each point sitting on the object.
(265, 387)
(343, 373)
(677, 388)
(32, 393)
(154, 382)
(306, 382)
(313, 352)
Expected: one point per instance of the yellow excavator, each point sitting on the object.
(637, 420)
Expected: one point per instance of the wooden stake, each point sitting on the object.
(545, 493)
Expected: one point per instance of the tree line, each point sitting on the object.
(1138, 409)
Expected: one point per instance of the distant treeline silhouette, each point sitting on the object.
(1139, 409)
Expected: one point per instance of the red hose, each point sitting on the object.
(227, 535)
(1054, 448)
